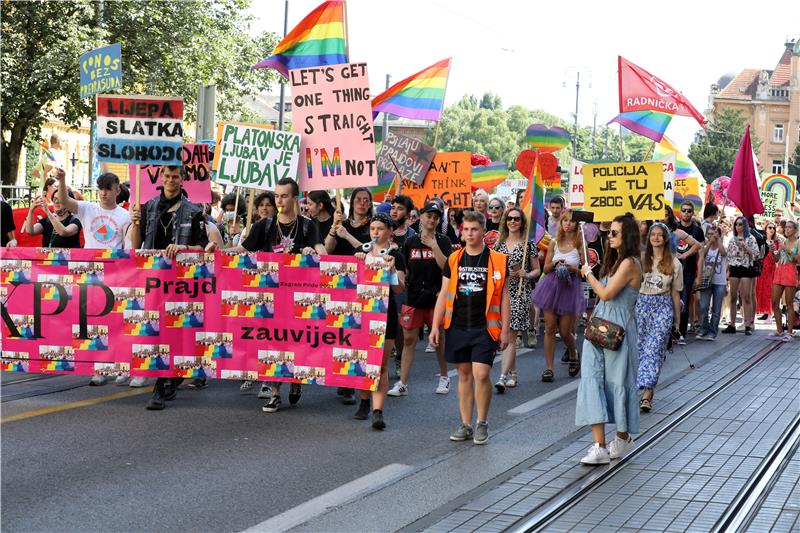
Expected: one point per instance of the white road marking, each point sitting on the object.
(338, 496)
(544, 399)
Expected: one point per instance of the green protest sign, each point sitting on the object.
(255, 155)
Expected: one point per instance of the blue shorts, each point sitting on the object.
(469, 346)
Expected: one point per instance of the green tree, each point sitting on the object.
(714, 151)
(794, 162)
(168, 48)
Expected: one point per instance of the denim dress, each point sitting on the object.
(607, 393)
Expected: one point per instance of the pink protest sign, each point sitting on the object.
(259, 316)
(197, 184)
(331, 111)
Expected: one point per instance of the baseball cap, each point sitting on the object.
(432, 206)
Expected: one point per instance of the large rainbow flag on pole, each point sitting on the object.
(532, 203)
(418, 97)
(650, 124)
(319, 39)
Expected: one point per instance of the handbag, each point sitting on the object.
(605, 334)
(707, 275)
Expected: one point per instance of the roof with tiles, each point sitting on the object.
(742, 87)
(782, 73)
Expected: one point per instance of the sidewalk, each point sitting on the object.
(704, 459)
(534, 450)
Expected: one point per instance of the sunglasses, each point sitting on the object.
(687, 210)
(513, 219)
(614, 233)
(495, 207)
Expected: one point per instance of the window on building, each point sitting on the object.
(777, 133)
(777, 166)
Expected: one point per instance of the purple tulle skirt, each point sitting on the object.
(559, 296)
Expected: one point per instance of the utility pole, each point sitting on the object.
(575, 128)
(605, 147)
(386, 115)
(283, 82)
(594, 131)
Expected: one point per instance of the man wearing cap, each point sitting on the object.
(425, 254)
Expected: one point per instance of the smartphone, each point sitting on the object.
(583, 216)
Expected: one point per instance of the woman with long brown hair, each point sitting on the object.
(607, 392)
(523, 269)
(658, 308)
(560, 293)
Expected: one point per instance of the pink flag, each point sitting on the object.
(743, 188)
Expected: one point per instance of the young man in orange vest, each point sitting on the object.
(474, 307)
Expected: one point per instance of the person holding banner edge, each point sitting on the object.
(103, 224)
(381, 227)
(292, 234)
(174, 224)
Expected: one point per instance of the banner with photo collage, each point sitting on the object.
(255, 316)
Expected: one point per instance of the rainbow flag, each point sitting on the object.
(300, 260)
(46, 151)
(544, 139)
(684, 166)
(238, 261)
(183, 321)
(89, 344)
(487, 177)
(386, 185)
(194, 272)
(109, 253)
(317, 40)
(153, 262)
(263, 281)
(149, 363)
(418, 97)
(650, 124)
(533, 203)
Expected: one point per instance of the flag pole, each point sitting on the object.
(399, 175)
(529, 214)
(346, 32)
(649, 151)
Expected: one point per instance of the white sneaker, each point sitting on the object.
(596, 456)
(399, 389)
(444, 385)
(265, 393)
(138, 383)
(122, 379)
(681, 341)
(430, 349)
(618, 447)
(98, 380)
(246, 386)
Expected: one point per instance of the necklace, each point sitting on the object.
(287, 239)
(166, 227)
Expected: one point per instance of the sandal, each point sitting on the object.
(548, 376)
(645, 405)
(574, 367)
(511, 382)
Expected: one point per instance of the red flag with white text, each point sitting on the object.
(641, 91)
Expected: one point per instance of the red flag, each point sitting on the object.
(641, 91)
(743, 188)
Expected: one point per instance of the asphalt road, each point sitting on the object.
(213, 461)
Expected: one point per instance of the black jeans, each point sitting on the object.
(686, 293)
(160, 388)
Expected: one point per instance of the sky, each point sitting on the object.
(531, 53)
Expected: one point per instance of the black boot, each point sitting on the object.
(157, 403)
(363, 410)
(171, 388)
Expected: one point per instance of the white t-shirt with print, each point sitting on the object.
(102, 228)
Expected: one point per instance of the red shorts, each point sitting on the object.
(785, 275)
(413, 318)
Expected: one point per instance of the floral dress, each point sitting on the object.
(520, 300)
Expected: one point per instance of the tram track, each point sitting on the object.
(739, 513)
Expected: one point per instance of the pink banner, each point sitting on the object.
(196, 162)
(331, 111)
(258, 316)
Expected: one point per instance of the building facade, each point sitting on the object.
(770, 102)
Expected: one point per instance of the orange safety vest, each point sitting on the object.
(496, 279)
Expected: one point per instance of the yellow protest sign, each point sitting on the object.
(614, 189)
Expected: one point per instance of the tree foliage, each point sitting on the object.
(484, 127)
(714, 151)
(794, 162)
(168, 48)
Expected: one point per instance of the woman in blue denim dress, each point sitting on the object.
(607, 393)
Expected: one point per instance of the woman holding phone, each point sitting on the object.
(523, 269)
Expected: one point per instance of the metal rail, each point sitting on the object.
(572, 494)
(744, 507)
